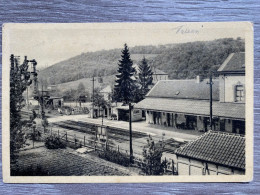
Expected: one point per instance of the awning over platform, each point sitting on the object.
(193, 107)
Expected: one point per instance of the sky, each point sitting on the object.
(51, 43)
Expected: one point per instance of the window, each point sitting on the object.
(239, 93)
(136, 111)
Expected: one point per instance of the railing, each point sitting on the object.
(96, 145)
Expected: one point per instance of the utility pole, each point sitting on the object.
(34, 73)
(130, 131)
(27, 96)
(43, 113)
(102, 117)
(42, 104)
(210, 100)
(93, 85)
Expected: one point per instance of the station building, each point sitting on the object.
(185, 104)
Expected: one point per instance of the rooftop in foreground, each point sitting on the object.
(217, 147)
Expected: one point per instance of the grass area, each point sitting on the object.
(61, 162)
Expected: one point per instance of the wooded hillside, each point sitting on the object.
(180, 61)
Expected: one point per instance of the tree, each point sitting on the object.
(99, 100)
(81, 89)
(19, 81)
(69, 95)
(145, 76)
(81, 93)
(124, 83)
(152, 154)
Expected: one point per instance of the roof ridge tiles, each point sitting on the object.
(189, 143)
(218, 150)
(227, 133)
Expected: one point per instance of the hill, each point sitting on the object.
(180, 61)
(87, 82)
(186, 61)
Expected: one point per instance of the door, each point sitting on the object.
(168, 119)
(239, 127)
(154, 117)
(222, 124)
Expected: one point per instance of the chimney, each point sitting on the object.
(199, 79)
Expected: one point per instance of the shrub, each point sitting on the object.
(116, 157)
(152, 153)
(54, 142)
(35, 135)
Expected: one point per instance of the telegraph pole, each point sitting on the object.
(93, 85)
(210, 100)
(27, 96)
(130, 131)
(42, 104)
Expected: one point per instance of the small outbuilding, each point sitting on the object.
(55, 102)
(213, 153)
(122, 113)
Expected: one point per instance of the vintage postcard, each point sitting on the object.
(127, 102)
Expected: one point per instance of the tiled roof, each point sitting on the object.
(193, 107)
(122, 106)
(154, 70)
(158, 72)
(188, 89)
(235, 62)
(217, 147)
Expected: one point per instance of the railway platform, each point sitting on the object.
(140, 126)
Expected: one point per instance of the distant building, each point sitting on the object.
(55, 102)
(50, 101)
(106, 92)
(232, 79)
(118, 109)
(157, 74)
(122, 112)
(232, 87)
(213, 153)
(185, 103)
(52, 87)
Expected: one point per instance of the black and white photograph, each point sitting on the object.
(127, 102)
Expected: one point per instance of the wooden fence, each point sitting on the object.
(96, 145)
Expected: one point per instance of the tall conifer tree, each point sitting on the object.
(145, 76)
(124, 86)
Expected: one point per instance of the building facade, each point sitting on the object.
(122, 113)
(185, 104)
(158, 75)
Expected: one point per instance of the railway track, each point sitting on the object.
(117, 134)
